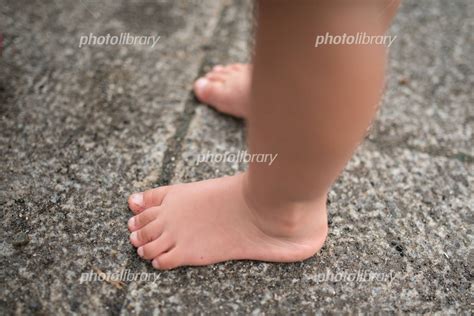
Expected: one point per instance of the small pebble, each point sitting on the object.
(20, 240)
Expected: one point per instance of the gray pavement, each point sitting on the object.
(81, 128)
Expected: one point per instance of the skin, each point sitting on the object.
(310, 105)
(226, 89)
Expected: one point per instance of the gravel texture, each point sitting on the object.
(81, 128)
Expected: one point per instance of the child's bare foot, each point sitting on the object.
(209, 221)
(226, 88)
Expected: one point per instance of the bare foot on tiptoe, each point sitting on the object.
(210, 221)
(226, 88)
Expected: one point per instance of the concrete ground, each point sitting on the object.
(81, 128)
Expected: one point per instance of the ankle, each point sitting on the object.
(287, 219)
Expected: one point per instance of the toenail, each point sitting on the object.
(137, 198)
(131, 222)
(155, 264)
(133, 236)
(201, 84)
(140, 251)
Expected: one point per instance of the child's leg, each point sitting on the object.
(311, 106)
(227, 88)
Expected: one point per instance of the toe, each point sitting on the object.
(220, 69)
(156, 247)
(154, 197)
(135, 202)
(216, 76)
(142, 219)
(207, 91)
(236, 66)
(167, 260)
(148, 233)
(201, 87)
(140, 201)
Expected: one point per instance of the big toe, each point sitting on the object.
(207, 91)
(138, 202)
